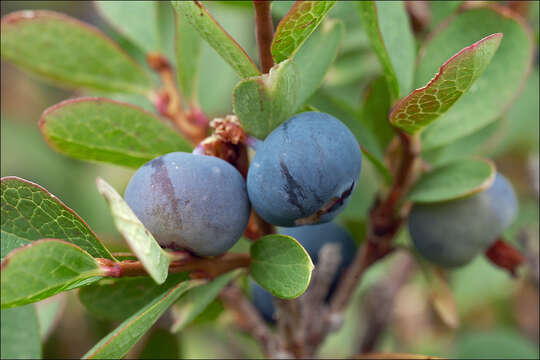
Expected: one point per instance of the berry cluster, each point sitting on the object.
(300, 178)
(302, 173)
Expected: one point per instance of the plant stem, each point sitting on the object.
(379, 302)
(265, 33)
(248, 318)
(203, 267)
(168, 101)
(383, 227)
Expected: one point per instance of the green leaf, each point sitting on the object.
(262, 103)
(496, 89)
(374, 112)
(117, 343)
(29, 212)
(118, 299)
(470, 145)
(315, 56)
(70, 52)
(20, 333)
(100, 129)
(194, 302)
(454, 180)
(136, 20)
(142, 243)
(519, 127)
(301, 20)
(43, 269)
(188, 51)
(281, 265)
(196, 14)
(424, 105)
(387, 26)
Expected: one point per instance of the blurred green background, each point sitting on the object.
(498, 314)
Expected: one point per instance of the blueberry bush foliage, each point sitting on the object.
(357, 133)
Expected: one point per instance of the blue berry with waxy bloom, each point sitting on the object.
(452, 233)
(304, 171)
(193, 202)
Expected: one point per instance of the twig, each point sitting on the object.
(202, 267)
(291, 324)
(249, 319)
(384, 225)
(265, 33)
(379, 301)
(168, 101)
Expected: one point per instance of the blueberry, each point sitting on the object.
(313, 238)
(304, 171)
(193, 202)
(452, 233)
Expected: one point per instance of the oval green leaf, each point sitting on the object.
(20, 333)
(195, 301)
(42, 269)
(496, 89)
(301, 20)
(316, 55)
(142, 243)
(454, 180)
(118, 299)
(198, 16)
(117, 343)
(70, 52)
(262, 103)
(387, 26)
(424, 105)
(100, 129)
(281, 265)
(29, 212)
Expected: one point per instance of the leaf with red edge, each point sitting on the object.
(29, 213)
(424, 105)
(492, 94)
(70, 52)
(101, 129)
(301, 20)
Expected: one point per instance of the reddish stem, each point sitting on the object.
(265, 33)
(168, 101)
(212, 267)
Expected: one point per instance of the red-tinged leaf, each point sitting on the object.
(101, 129)
(416, 111)
(301, 20)
(69, 52)
(505, 256)
(29, 212)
